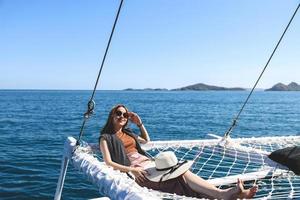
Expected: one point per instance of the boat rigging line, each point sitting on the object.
(91, 103)
(234, 123)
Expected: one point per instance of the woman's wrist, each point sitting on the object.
(130, 169)
(139, 124)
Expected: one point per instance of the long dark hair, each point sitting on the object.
(109, 126)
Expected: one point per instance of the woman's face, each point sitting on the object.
(120, 117)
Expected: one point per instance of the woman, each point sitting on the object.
(121, 150)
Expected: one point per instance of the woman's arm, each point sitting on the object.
(107, 158)
(144, 137)
(138, 172)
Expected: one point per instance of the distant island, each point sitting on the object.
(282, 87)
(195, 87)
(204, 87)
(293, 86)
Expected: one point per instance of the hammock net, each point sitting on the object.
(219, 162)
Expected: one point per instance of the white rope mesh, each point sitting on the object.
(244, 158)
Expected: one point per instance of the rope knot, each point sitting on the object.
(90, 109)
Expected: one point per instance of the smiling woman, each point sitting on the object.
(121, 150)
(115, 136)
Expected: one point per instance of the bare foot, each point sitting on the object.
(246, 194)
(239, 192)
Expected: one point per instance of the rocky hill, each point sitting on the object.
(282, 87)
(203, 87)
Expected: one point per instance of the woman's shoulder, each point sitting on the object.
(108, 136)
(105, 136)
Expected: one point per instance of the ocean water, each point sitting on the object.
(34, 125)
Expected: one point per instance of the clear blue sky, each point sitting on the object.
(59, 44)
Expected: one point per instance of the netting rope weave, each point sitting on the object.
(245, 158)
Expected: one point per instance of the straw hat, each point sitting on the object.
(166, 166)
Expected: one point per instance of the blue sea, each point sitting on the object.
(35, 123)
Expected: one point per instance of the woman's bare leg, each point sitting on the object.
(202, 186)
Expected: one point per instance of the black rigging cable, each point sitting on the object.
(239, 113)
(91, 103)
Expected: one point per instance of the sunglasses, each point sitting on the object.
(124, 114)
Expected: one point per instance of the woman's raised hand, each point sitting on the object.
(134, 118)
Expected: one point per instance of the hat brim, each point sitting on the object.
(154, 175)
